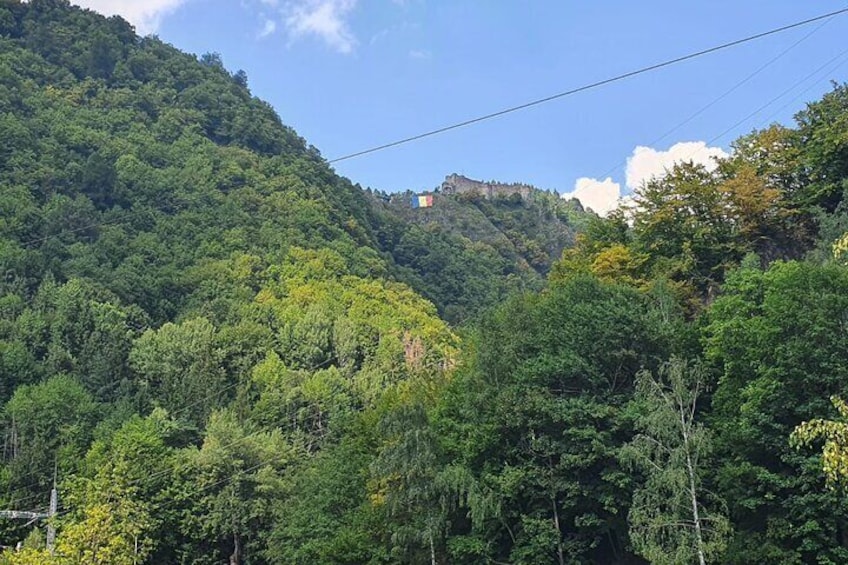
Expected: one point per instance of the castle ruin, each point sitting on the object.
(458, 184)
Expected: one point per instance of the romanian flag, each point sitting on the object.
(423, 201)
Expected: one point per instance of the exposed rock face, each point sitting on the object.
(458, 184)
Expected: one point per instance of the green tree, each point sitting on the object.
(146, 451)
(683, 219)
(307, 403)
(328, 513)
(758, 337)
(112, 526)
(407, 474)
(820, 137)
(536, 418)
(180, 366)
(234, 477)
(49, 423)
(673, 518)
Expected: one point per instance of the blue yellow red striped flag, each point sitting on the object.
(422, 201)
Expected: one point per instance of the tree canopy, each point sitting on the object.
(219, 350)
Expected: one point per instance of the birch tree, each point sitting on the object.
(673, 519)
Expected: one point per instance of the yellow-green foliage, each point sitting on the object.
(108, 534)
(575, 260)
(111, 530)
(835, 436)
(29, 557)
(377, 331)
(840, 250)
(618, 263)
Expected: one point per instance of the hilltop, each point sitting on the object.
(150, 137)
(511, 233)
(459, 184)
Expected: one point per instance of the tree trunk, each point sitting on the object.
(699, 539)
(560, 556)
(235, 558)
(432, 549)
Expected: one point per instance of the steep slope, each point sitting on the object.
(178, 266)
(127, 162)
(105, 136)
(170, 250)
(220, 351)
(480, 242)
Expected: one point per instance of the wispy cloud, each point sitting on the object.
(379, 36)
(326, 20)
(145, 15)
(269, 27)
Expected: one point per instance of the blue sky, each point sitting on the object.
(350, 74)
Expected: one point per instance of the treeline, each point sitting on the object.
(221, 351)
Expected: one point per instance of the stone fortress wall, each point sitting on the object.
(458, 184)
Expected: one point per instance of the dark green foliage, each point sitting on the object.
(467, 252)
(329, 517)
(228, 353)
(779, 341)
(538, 419)
(48, 423)
(822, 128)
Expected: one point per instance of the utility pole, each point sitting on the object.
(33, 516)
(54, 506)
(51, 525)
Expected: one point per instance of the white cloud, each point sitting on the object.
(269, 27)
(145, 15)
(600, 196)
(647, 163)
(325, 19)
(420, 54)
(644, 164)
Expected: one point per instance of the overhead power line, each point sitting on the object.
(129, 214)
(590, 86)
(827, 77)
(808, 77)
(721, 97)
(739, 84)
(828, 67)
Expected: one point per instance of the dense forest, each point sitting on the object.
(217, 350)
(468, 252)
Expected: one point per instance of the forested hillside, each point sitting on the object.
(107, 136)
(219, 351)
(467, 251)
